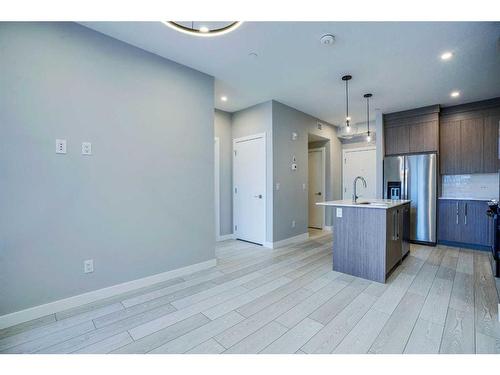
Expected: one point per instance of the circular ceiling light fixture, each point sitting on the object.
(203, 29)
(327, 39)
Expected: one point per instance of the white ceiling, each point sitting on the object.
(398, 62)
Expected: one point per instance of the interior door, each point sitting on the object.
(360, 163)
(249, 179)
(316, 188)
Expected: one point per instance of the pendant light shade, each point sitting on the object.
(368, 134)
(347, 78)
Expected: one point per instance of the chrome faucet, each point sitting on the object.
(354, 195)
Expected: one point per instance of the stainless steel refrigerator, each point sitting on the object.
(414, 177)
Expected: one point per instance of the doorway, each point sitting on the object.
(249, 188)
(359, 162)
(317, 187)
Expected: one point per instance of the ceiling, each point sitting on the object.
(396, 61)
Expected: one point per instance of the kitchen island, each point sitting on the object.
(370, 237)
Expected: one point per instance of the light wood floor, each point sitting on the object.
(287, 300)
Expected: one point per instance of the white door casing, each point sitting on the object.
(217, 186)
(316, 190)
(359, 162)
(249, 188)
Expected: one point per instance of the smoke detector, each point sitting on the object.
(327, 39)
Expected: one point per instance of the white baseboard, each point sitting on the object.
(95, 295)
(226, 237)
(287, 241)
(329, 228)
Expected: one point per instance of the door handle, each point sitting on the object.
(318, 193)
(258, 196)
(465, 214)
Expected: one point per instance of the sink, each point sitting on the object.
(373, 204)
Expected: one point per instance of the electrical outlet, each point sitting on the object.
(60, 146)
(277, 185)
(304, 187)
(293, 223)
(88, 266)
(339, 212)
(86, 148)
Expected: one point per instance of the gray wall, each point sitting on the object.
(223, 130)
(135, 206)
(291, 200)
(253, 120)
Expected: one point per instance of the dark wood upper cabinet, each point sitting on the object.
(491, 163)
(449, 140)
(469, 138)
(397, 140)
(412, 131)
(471, 145)
(424, 136)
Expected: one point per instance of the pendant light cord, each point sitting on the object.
(368, 114)
(347, 102)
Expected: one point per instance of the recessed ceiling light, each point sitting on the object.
(446, 56)
(455, 94)
(223, 98)
(204, 29)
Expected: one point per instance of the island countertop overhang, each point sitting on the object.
(383, 204)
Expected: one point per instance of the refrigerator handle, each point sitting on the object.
(405, 176)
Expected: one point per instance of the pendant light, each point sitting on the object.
(368, 135)
(347, 78)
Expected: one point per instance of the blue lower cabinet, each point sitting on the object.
(464, 223)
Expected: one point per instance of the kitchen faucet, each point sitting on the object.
(354, 196)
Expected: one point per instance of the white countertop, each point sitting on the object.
(383, 204)
(468, 199)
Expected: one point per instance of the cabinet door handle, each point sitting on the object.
(457, 213)
(397, 224)
(465, 214)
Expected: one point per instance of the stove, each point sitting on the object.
(494, 213)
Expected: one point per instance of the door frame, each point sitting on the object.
(217, 187)
(357, 149)
(242, 139)
(323, 181)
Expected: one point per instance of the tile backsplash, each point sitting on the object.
(479, 186)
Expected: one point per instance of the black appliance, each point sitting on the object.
(494, 213)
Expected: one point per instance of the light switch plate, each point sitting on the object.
(86, 148)
(88, 266)
(339, 212)
(60, 146)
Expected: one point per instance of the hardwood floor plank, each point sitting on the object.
(107, 345)
(241, 330)
(332, 334)
(236, 302)
(425, 338)
(462, 293)
(208, 347)
(293, 339)
(197, 336)
(300, 311)
(362, 336)
(120, 326)
(487, 344)
(27, 326)
(153, 341)
(458, 336)
(176, 316)
(331, 308)
(390, 299)
(486, 298)
(437, 301)
(394, 336)
(52, 339)
(59, 325)
(258, 340)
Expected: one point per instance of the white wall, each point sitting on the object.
(142, 204)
